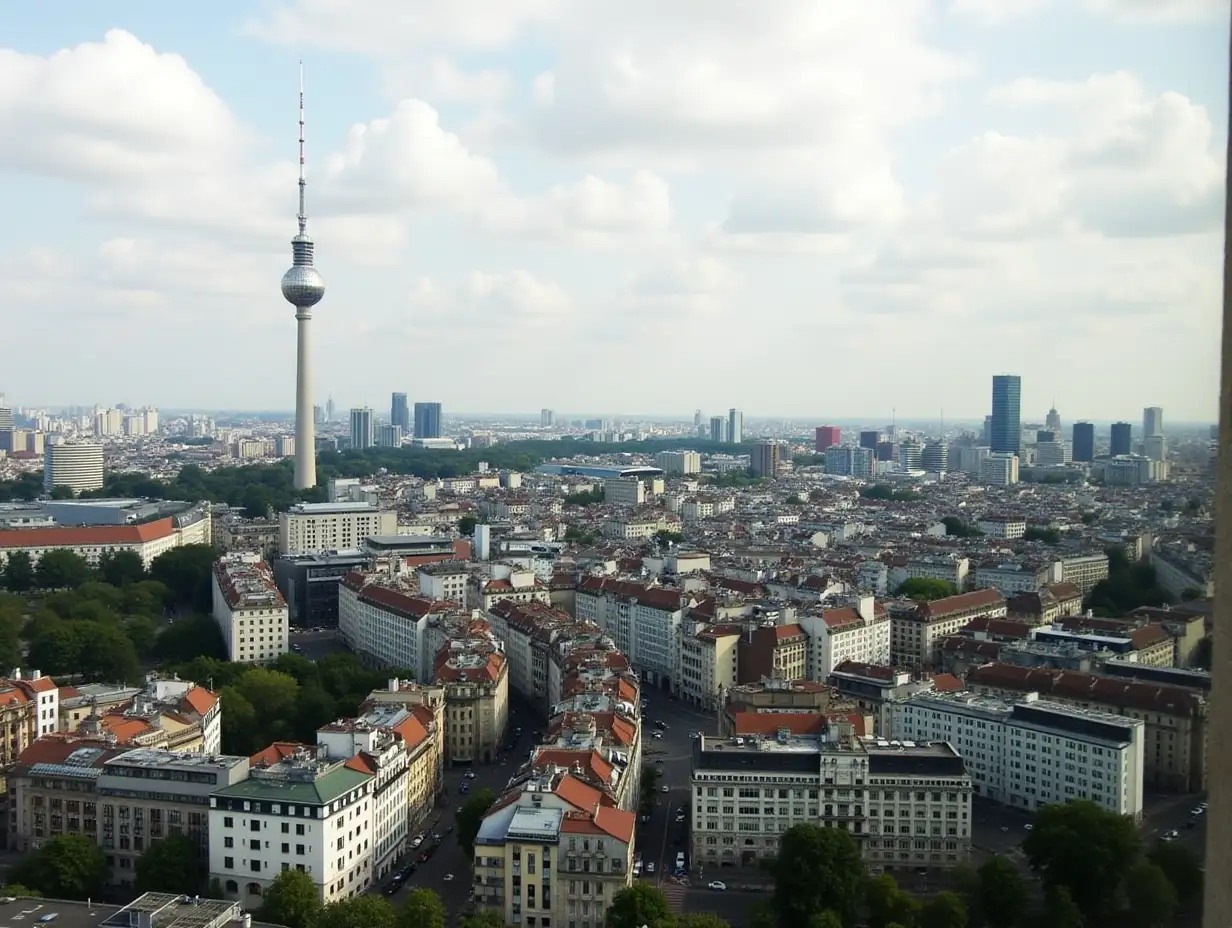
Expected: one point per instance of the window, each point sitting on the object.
(227, 821)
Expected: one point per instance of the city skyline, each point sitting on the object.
(486, 191)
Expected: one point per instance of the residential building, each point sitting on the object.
(843, 461)
(1005, 436)
(428, 420)
(745, 704)
(324, 528)
(307, 811)
(680, 463)
(76, 465)
(916, 633)
(709, 665)
(1175, 718)
(166, 713)
(952, 568)
(624, 491)
(1152, 422)
(772, 649)
(400, 413)
(363, 428)
(389, 436)
(249, 610)
(735, 426)
(765, 459)
(718, 429)
(875, 689)
(384, 618)
(507, 584)
(1032, 752)
(1002, 526)
(426, 701)
(861, 633)
(444, 581)
(475, 675)
(1083, 571)
(999, 469)
(1013, 577)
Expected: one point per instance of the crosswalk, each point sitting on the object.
(674, 892)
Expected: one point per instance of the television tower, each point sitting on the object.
(303, 287)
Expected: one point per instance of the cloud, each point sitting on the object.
(438, 78)
(500, 304)
(1134, 12)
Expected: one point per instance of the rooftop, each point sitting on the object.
(294, 781)
(326, 509)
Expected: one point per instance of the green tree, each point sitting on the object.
(959, 529)
(60, 491)
(19, 575)
(1085, 848)
(185, 639)
(825, 919)
(276, 693)
(471, 817)
(486, 919)
(761, 915)
(816, 869)
(291, 900)
(702, 920)
(423, 909)
(1047, 535)
(361, 911)
(1002, 893)
(466, 526)
(171, 865)
(60, 569)
(18, 891)
(638, 905)
(1152, 900)
(65, 867)
(142, 631)
(100, 651)
(1060, 909)
(944, 910)
(886, 903)
(1183, 869)
(926, 589)
(186, 572)
(120, 568)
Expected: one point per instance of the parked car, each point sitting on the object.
(665, 789)
(680, 860)
(717, 885)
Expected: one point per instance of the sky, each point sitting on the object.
(799, 208)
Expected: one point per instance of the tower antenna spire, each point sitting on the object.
(302, 216)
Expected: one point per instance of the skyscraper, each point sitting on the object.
(547, 418)
(827, 436)
(1122, 438)
(303, 287)
(869, 439)
(400, 412)
(718, 429)
(765, 459)
(363, 432)
(427, 420)
(1084, 442)
(735, 426)
(1152, 422)
(1006, 429)
(1052, 421)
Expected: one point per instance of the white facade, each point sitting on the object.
(386, 623)
(444, 582)
(679, 462)
(1000, 469)
(77, 465)
(846, 634)
(1002, 526)
(318, 528)
(1034, 753)
(250, 612)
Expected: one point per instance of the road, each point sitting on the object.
(315, 645)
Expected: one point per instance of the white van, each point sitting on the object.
(680, 860)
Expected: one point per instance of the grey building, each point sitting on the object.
(363, 427)
(400, 413)
(309, 584)
(427, 420)
(1006, 425)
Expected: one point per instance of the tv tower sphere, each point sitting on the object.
(302, 285)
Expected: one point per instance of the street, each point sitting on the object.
(315, 645)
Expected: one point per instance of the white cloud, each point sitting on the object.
(1150, 12)
(489, 304)
(439, 79)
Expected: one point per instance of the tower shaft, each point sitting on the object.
(305, 430)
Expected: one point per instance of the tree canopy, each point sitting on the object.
(471, 817)
(959, 529)
(887, 904)
(1002, 893)
(291, 900)
(638, 905)
(171, 865)
(187, 572)
(944, 910)
(1152, 901)
(362, 911)
(1127, 586)
(926, 589)
(423, 908)
(816, 869)
(1183, 868)
(882, 491)
(65, 867)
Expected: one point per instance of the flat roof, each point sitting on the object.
(324, 509)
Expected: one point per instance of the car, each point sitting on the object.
(658, 760)
(1005, 828)
(5, 900)
(49, 917)
(437, 837)
(470, 774)
(464, 788)
(717, 885)
(419, 839)
(650, 866)
(1196, 811)
(695, 735)
(665, 789)
(1173, 833)
(448, 878)
(393, 887)
(679, 817)
(658, 734)
(680, 860)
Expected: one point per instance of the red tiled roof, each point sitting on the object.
(784, 632)
(1088, 687)
(616, 822)
(275, 752)
(841, 617)
(976, 599)
(200, 700)
(86, 536)
(947, 683)
(767, 723)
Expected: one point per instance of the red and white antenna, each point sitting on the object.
(302, 216)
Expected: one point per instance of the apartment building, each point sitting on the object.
(1084, 571)
(1148, 644)
(771, 649)
(679, 462)
(1012, 578)
(122, 798)
(875, 689)
(444, 582)
(165, 712)
(1045, 605)
(427, 764)
(384, 618)
(709, 665)
(322, 528)
(147, 540)
(540, 861)
(303, 812)
(746, 792)
(1176, 720)
(643, 620)
(778, 698)
(506, 585)
(916, 634)
(996, 525)
(250, 612)
(29, 709)
(475, 675)
(861, 633)
(1032, 752)
(950, 569)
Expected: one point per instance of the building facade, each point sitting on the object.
(249, 610)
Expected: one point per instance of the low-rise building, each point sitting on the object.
(1032, 752)
(250, 612)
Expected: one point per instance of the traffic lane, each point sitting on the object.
(736, 908)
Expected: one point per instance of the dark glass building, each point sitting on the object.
(1084, 442)
(1005, 434)
(870, 440)
(400, 413)
(427, 420)
(1122, 438)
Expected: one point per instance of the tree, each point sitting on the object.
(241, 730)
(1183, 869)
(1002, 893)
(638, 905)
(19, 574)
(887, 904)
(121, 568)
(471, 817)
(816, 869)
(171, 865)
(186, 571)
(703, 920)
(1085, 848)
(65, 867)
(486, 919)
(926, 589)
(423, 909)
(825, 919)
(944, 910)
(959, 529)
(60, 569)
(291, 900)
(1047, 535)
(466, 526)
(1060, 909)
(60, 491)
(18, 891)
(1152, 900)
(194, 636)
(761, 915)
(361, 911)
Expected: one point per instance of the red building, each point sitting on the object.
(827, 436)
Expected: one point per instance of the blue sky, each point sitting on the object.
(795, 208)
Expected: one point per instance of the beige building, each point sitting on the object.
(1175, 719)
(1084, 571)
(318, 528)
(444, 582)
(147, 540)
(476, 680)
(427, 702)
(916, 634)
(166, 712)
(708, 665)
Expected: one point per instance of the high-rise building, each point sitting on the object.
(76, 465)
(1052, 421)
(765, 459)
(1152, 422)
(389, 436)
(427, 420)
(6, 418)
(869, 440)
(547, 418)
(330, 410)
(400, 412)
(303, 287)
(718, 429)
(1084, 442)
(1043, 435)
(935, 458)
(318, 414)
(850, 462)
(363, 431)
(697, 419)
(1006, 431)
(1122, 438)
(910, 455)
(735, 426)
(827, 436)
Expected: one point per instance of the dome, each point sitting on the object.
(303, 286)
